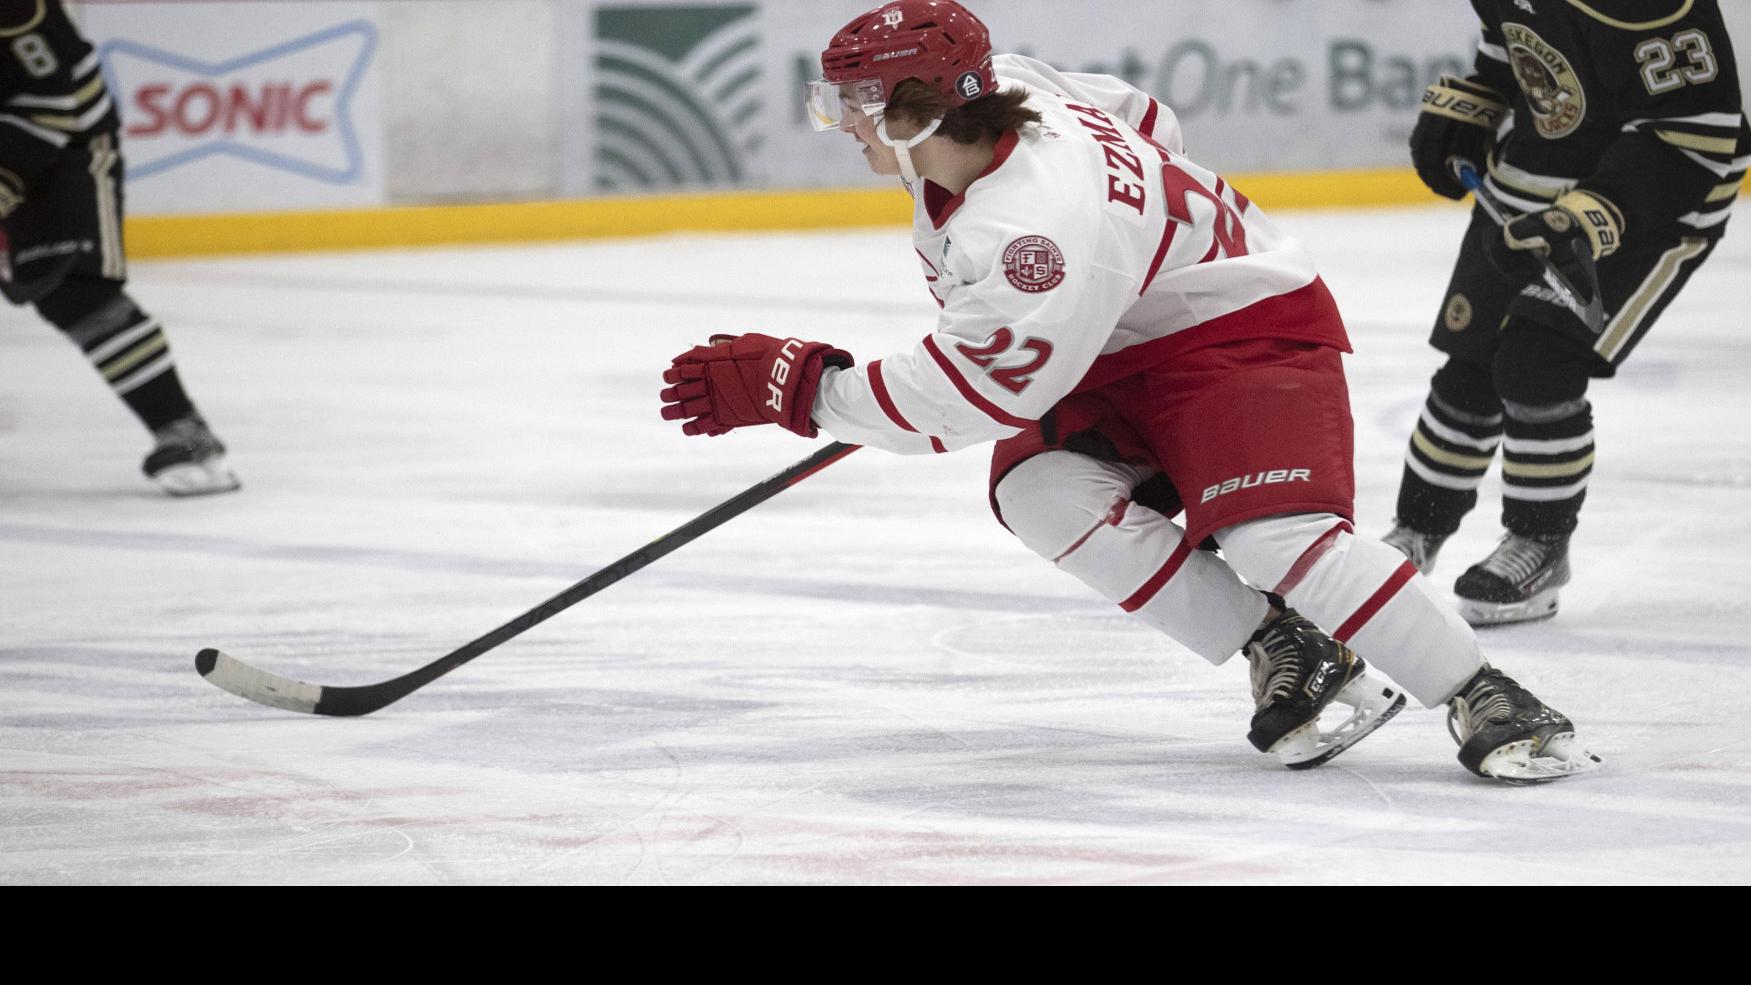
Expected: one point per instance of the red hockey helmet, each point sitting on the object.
(938, 42)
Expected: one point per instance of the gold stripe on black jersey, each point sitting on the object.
(86, 93)
(1623, 325)
(13, 30)
(1692, 141)
(1540, 186)
(74, 124)
(1672, 18)
(109, 228)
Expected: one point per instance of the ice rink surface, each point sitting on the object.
(865, 680)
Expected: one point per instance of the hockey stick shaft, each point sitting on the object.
(270, 689)
(1589, 313)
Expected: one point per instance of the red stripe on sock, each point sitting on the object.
(1353, 625)
(1311, 556)
(1156, 581)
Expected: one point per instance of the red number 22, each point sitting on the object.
(1015, 379)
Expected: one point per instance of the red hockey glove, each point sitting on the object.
(742, 380)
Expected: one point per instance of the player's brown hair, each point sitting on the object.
(985, 118)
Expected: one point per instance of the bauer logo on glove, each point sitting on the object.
(744, 380)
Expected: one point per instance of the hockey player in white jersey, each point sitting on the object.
(1136, 338)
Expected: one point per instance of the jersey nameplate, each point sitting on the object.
(1124, 167)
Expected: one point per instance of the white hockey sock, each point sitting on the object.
(1076, 512)
(1364, 594)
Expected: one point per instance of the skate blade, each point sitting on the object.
(1371, 704)
(1528, 762)
(198, 478)
(1478, 613)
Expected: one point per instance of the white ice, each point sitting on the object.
(865, 680)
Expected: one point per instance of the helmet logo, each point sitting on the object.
(891, 17)
(970, 85)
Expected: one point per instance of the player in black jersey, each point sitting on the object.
(1614, 129)
(61, 213)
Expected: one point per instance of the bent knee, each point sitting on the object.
(1051, 500)
(71, 305)
(1265, 550)
(1537, 366)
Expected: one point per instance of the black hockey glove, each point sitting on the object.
(1459, 119)
(1576, 231)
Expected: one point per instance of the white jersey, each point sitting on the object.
(1090, 249)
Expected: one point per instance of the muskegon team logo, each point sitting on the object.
(1033, 264)
(1458, 313)
(1552, 88)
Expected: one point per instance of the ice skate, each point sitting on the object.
(1297, 672)
(188, 460)
(1420, 547)
(1506, 733)
(1516, 583)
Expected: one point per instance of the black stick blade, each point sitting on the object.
(257, 685)
(282, 692)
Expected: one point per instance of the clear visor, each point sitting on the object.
(830, 102)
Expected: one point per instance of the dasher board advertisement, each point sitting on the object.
(244, 107)
(662, 95)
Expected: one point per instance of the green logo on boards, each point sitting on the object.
(677, 91)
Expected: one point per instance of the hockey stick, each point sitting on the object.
(282, 692)
(1592, 312)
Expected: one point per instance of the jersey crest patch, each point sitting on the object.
(1552, 88)
(1033, 264)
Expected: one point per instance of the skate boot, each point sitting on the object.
(189, 460)
(1506, 733)
(1420, 547)
(1297, 671)
(1517, 582)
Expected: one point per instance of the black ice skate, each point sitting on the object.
(189, 460)
(1517, 582)
(1297, 671)
(1420, 547)
(1506, 733)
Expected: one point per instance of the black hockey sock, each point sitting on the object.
(130, 351)
(1547, 458)
(1450, 450)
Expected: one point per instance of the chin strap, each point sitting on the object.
(903, 149)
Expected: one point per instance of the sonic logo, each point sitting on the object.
(203, 108)
(287, 106)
